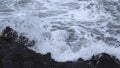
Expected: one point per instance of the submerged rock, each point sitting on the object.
(17, 55)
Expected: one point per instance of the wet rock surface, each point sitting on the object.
(14, 54)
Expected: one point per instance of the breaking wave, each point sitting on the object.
(68, 29)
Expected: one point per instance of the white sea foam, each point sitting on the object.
(68, 29)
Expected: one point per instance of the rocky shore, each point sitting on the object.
(15, 54)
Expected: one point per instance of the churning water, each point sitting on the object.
(68, 29)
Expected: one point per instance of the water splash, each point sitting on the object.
(68, 29)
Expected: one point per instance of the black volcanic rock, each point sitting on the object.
(105, 61)
(15, 54)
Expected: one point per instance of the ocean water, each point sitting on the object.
(68, 29)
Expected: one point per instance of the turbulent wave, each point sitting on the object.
(68, 29)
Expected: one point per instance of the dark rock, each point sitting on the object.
(17, 55)
(1, 64)
(9, 34)
(106, 61)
